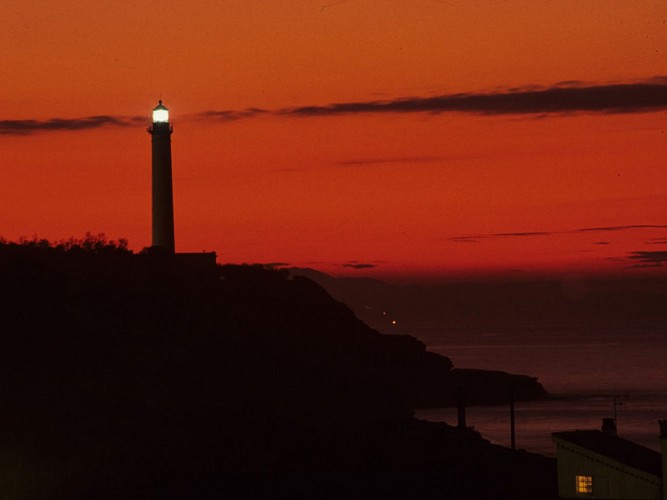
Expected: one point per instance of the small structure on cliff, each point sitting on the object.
(599, 464)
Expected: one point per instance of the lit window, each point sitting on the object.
(160, 115)
(585, 484)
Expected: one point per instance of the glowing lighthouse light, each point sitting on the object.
(160, 114)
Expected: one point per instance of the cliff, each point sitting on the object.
(127, 375)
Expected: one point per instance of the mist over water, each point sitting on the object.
(581, 368)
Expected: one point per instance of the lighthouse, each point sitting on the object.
(162, 195)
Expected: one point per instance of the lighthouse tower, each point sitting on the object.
(163, 200)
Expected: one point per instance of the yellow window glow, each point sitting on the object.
(585, 484)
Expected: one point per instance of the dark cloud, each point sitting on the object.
(648, 259)
(230, 115)
(384, 161)
(564, 97)
(474, 238)
(465, 239)
(331, 5)
(656, 241)
(569, 97)
(620, 228)
(600, 243)
(532, 233)
(24, 127)
(359, 265)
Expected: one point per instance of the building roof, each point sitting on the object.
(617, 449)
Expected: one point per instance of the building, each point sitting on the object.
(599, 464)
(163, 246)
(162, 192)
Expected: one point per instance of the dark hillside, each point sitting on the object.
(126, 375)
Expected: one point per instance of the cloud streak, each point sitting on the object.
(648, 259)
(231, 115)
(526, 234)
(359, 265)
(620, 228)
(561, 98)
(567, 97)
(392, 161)
(656, 241)
(24, 127)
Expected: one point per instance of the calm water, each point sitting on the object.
(580, 368)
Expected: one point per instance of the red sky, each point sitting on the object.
(408, 185)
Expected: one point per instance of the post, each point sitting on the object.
(663, 447)
(512, 427)
(461, 408)
(609, 426)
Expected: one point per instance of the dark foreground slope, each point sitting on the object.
(126, 376)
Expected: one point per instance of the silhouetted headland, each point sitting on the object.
(559, 300)
(133, 374)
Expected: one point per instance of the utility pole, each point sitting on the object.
(512, 422)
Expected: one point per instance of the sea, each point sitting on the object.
(590, 372)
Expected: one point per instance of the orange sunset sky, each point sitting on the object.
(423, 138)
